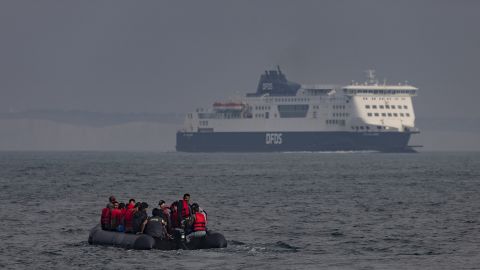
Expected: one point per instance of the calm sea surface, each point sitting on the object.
(277, 211)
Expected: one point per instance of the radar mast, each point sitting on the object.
(371, 76)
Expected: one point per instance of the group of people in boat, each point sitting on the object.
(132, 217)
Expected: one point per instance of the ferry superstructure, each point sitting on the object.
(286, 116)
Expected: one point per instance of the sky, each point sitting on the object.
(173, 56)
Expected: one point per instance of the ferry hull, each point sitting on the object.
(293, 141)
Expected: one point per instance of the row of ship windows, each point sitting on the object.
(290, 99)
(336, 107)
(341, 114)
(382, 98)
(387, 106)
(389, 114)
(262, 107)
(366, 127)
(335, 122)
(203, 123)
(300, 99)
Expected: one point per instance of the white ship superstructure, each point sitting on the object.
(322, 117)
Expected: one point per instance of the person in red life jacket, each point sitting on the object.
(116, 217)
(181, 212)
(121, 223)
(182, 219)
(186, 208)
(199, 223)
(131, 204)
(129, 218)
(105, 220)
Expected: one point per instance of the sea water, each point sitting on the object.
(277, 210)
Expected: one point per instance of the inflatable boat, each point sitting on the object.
(144, 242)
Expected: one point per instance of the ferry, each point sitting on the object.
(284, 116)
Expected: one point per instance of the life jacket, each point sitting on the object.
(200, 223)
(105, 218)
(185, 209)
(116, 218)
(129, 220)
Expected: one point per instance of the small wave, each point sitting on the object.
(77, 244)
(236, 243)
(52, 252)
(72, 230)
(337, 234)
(284, 245)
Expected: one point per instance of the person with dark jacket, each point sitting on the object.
(140, 218)
(181, 212)
(165, 210)
(174, 215)
(155, 226)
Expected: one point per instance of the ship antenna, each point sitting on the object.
(371, 76)
(279, 71)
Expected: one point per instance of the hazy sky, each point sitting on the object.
(171, 56)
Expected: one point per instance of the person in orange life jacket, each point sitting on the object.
(166, 214)
(116, 218)
(155, 226)
(105, 220)
(199, 210)
(140, 218)
(199, 226)
(129, 218)
(131, 204)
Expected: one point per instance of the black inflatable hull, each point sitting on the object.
(145, 242)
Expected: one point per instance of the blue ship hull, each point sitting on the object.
(293, 141)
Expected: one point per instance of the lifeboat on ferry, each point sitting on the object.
(146, 242)
(223, 106)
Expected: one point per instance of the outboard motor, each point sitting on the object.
(179, 238)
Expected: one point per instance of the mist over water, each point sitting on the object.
(277, 211)
(122, 58)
